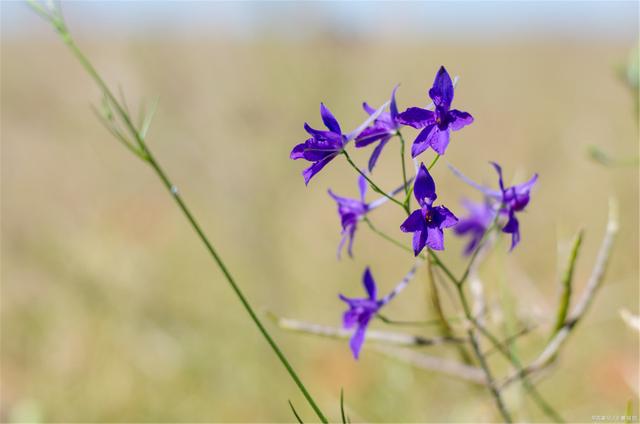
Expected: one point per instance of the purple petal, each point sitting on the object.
(419, 241)
(368, 108)
(329, 120)
(351, 232)
(315, 168)
(439, 140)
(446, 217)
(358, 339)
(489, 192)
(350, 317)
(424, 188)
(442, 91)
(298, 151)
(459, 119)
(526, 187)
(376, 153)
(371, 134)
(499, 171)
(369, 284)
(417, 117)
(435, 239)
(421, 143)
(355, 133)
(415, 222)
(341, 244)
(512, 227)
(393, 108)
(362, 187)
(345, 202)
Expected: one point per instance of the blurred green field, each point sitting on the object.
(112, 310)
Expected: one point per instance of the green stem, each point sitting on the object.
(433, 162)
(146, 155)
(372, 184)
(404, 168)
(481, 244)
(388, 238)
(481, 358)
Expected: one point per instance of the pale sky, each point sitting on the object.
(603, 20)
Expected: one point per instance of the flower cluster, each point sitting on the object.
(428, 221)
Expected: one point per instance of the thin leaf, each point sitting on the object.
(295, 413)
(567, 285)
(344, 419)
(115, 132)
(146, 123)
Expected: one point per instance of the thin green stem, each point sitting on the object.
(387, 237)
(373, 185)
(475, 253)
(404, 168)
(481, 358)
(442, 266)
(433, 162)
(147, 155)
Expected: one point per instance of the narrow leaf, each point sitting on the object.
(567, 285)
(342, 414)
(146, 123)
(295, 413)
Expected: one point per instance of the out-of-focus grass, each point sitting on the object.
(111, 309)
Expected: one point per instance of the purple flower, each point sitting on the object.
(322, 147)
(514, 199)
(511, 200)
(428, 222)
(351, 211)
(383, 128)
(360, 312)
(436, 125)
(476, 223)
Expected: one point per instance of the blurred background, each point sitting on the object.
(113, 311)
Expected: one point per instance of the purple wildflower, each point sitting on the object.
(428, 222)
(475, 224)
(351, 211)
(361, 310)
(383, 128)
(322, 147)
(436, 125)
(511, 199)
(514, 199)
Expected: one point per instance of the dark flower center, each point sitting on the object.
(428, 216)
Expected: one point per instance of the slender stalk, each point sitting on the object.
(493, 388)
(373, 185)
(433, 162)
(404, 167)
(145, 153)
(443, 322)
(475, 253)
(388, 237)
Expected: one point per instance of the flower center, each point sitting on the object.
(428, 216)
